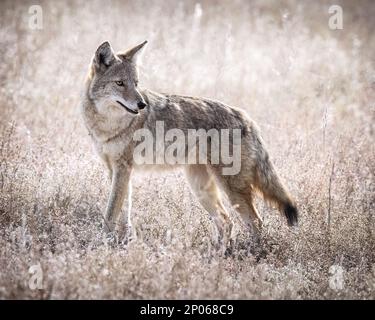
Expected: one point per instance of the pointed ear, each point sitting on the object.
(104, 56)
(133, 54)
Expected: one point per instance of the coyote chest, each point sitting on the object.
(115, 148)
(111, 138)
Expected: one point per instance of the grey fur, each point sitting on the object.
(112, 127)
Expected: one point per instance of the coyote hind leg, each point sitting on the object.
(241, 196)
(203, 185)
(243, 203)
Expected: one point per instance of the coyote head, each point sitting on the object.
(114, 80)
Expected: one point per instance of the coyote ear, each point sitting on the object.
(133, 54)
(104, 56)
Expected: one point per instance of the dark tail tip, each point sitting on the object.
(291, 214)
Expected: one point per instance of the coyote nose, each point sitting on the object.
(141, 105)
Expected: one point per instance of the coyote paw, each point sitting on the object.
(126, 233)
(108, 227)
(131, 233)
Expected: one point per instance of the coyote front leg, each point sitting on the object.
(120, 190)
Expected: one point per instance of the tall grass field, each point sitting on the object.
(308, 86)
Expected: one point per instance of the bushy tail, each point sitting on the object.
(269, 184)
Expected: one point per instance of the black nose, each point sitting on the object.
(141, 105)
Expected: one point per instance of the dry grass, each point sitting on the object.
(311, 89)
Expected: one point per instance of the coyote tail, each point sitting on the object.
(273, 190)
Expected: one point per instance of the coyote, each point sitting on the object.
(114, 106)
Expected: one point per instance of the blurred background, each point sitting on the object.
(310, 88)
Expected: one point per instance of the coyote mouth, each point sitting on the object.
(127, 109)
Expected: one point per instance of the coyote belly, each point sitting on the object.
(116, 110)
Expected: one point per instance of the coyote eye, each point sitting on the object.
(120, 83)
(136, 83)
